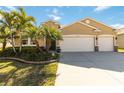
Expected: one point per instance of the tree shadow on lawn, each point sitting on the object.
(21, 74)
(101, 60)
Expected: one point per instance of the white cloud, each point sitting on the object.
(55, 14)
(55, 11)
(10, 7)
(54, 17)
(101, 8)
(7, 8)
(118, 26)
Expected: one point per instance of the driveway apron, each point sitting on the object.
(90, 68)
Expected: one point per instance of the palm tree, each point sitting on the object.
(34, 33)
(23, 21)
(8, 21)
(51, 33)
(4, 35)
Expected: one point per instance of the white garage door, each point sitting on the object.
(77, 43)
(105, 43)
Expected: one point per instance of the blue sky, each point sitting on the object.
(113, 16)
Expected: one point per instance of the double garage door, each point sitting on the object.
(85, 43)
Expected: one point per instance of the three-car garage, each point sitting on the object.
(88, 35)
(87, 43)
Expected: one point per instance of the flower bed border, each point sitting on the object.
(28, 62)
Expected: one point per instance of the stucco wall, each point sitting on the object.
(120, 41)
(104, 29)
(77, 28)
(81, 29)
(17, 42)
(51, 24)
(41, 42)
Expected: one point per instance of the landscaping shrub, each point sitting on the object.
(7, 53)
(29, 53)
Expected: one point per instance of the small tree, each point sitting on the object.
(8, 21)
(23, 21)
(34, 33)
(4, 35)
(51, 33)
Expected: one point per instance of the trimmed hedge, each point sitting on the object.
(29, 54)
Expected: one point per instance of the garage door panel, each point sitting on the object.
(77, 44)
(105, 43)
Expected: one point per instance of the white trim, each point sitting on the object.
(87, 25)
(105, 35)
(78, 36)
(98, 22)
(95, 41)
(28, 45)
(29, 41)
(78, 22)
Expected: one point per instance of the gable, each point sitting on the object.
(77, 28)
(51, 23)
(104, 28)
(120, 31)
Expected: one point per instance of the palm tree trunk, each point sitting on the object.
(20, 48)
(37, 44)
(12, 42)
(47, 45)
(13, 46)
(4, 45)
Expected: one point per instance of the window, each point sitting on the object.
(97, 30)
(32, 42)
(24, 41)
(87, 21)
(28, 41)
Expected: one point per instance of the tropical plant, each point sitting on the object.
(51, 33)
(35, 33)
(4, 36)
(23, 21)
(8, 21)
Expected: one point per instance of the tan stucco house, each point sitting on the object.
(86, 35)
(42, 42)
(120, 37)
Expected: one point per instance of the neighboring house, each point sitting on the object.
(88, 35)
(120, 37)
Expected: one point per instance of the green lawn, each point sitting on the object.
(21, 74)
(120, 50)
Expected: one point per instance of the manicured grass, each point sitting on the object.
(21, 74)
(120, 50)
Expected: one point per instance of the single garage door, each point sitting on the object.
(77, 43)
(105, 43)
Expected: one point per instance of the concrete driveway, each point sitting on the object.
(96, 68)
